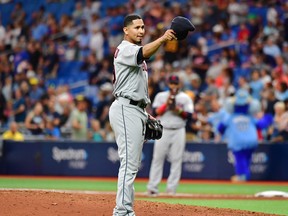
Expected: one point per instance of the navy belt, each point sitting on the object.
(140, 104)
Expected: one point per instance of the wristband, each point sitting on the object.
(162, 109)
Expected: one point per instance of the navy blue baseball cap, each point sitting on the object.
(173, 79)
(181, 26)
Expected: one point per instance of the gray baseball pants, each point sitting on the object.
(172, 144)
(128, 123)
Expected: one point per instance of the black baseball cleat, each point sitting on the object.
(152, 193)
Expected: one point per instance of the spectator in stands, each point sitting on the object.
(278, 131)
(225, 84)
(197, 11)
(265, 77)
(215, 68)
(234, 13)
(96, 44)
(281, 91)
(2, 34)
(35, 54)
(8, 112)
(109, 133)
(256, 59)
(78, 12)
(210, 93)
(52, 116)
(72, 50)
(79, 119)
(5, 69)
(105, 100)
(64, 117)
(39, 30)
(282, 125)
(254, 26)
(92, 66)
(96, 133)
(83, 40)
(19, 107)
(13, 133)
(114, 26)
(36, 91)
(280, 71)
(35, 121)
(200, 64)
(195, 86)
(105, 73)
(234, 59)
(285, 52)
(199, 119)
(51, 61)
(2, 109)
(270, 30)
(18, 14)
(206, 133)
(256, 85)
(270, 48)
(69, 29)
(7, 88)
(53, 27)
(214, 118)
(51, 132)
(243, 33)
(91, 7)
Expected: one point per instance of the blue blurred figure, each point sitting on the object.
(241, 131)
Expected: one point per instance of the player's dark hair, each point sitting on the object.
(129, 18)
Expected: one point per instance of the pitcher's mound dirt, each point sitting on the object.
(42, 203)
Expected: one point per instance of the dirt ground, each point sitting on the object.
(55, 203)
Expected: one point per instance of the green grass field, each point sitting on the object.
(279, 207)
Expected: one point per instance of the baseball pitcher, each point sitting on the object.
(173, 108)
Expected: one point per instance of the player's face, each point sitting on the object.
(134, 33)
(174, 87)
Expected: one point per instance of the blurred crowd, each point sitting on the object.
(237, 44)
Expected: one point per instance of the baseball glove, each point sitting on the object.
(154, 129)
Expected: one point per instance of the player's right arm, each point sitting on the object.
(150, 48)
(159, 105)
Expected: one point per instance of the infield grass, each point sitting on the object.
(279, 207)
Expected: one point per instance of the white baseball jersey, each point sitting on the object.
(131, 79)
(169, 119)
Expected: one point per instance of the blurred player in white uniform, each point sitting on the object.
(173, 108)
(127, 113)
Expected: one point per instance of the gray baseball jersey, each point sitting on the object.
(169, 119)
(131, 83)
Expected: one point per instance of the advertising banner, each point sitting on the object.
(200, 160)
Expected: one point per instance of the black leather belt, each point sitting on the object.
(140, 104)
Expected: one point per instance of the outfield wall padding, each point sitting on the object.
(70, 158)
